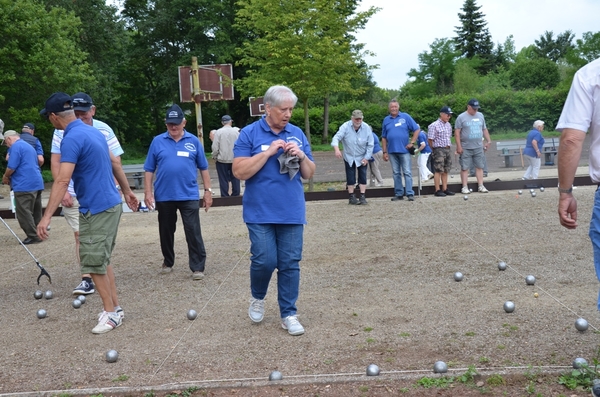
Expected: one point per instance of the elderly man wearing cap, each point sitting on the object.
(84, 109)
(24, 176)
(175, 156)
(439, 134)
(532, 151)
(85, 158)
(469, 130)
(27, 135)
(357, 139)
(222, 152)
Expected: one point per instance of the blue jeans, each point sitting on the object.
(595, 236)
(401, 166)
(275, 246)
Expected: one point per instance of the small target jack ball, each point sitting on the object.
(372, 370)
(49, 294)
(191, 314)
(509, 306)
(466, 198)
(440, 367)
(458, 276)
(275, 375)
(112, 356)
(520, 192)
(41, 313)
(580, 363)
(581, 324)
(76, 303)
(502, 266)
(536, 295)
(533, 194)
(81, 299)
(48, 228)
(542, 189)
(38, 294)
(530, 280)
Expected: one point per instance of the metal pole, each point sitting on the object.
(196, 95)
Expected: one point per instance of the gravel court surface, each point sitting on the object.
(377, 287)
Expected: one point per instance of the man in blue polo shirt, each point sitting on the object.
(271, 155)
(176, 156)
(27, 133)
(398, 146)
(25, 179)
(86, 159)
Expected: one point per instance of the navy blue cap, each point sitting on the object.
(474, 103)
(28, 125)
(82, 101)
(56, 103)
(174, 115)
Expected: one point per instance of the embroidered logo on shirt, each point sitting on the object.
(190, 147)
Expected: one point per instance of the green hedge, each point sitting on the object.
(504, 110)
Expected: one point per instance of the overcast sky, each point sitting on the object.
(402, 30)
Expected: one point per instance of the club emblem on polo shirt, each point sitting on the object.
(190, 147)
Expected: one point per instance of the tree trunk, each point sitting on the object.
(325, 138)
(307, 133)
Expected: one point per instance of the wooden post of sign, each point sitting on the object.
(196, 96)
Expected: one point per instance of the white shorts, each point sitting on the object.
(72, 215)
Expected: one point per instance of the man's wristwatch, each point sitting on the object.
(569, 190)
(208, 190)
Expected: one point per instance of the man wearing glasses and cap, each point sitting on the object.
(85, 110)
(27, 135)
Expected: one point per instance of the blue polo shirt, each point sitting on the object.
(423, 138)
(85, 146)
(23, 160)
(269, 196)
(396, 130)
(536, 135)
(178, 164)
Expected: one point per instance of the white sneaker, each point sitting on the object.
(465, 190)
(197, 276)
(256, 311)
(482, 189)
(292, 325)
(106, 323)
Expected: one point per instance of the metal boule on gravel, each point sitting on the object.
(38, 294)
(581, 324)
(531, 190)
(533, 194)
(530, 280)
(76, 303)
(275, 375)
(41, 313)
(542, 189)
(48, 294)
(502, 266)
(440, 367)
(112, 356)
(458, 276)
(580, 363)
(466, 197)
(509, 306)
(372, 370)
(520, 192)
(191, 314)
(81, 298)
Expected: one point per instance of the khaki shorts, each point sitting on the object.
(97, 237)
(71, 214)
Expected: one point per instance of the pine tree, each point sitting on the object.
(474, 39)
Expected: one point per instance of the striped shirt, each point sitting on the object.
(440, 133)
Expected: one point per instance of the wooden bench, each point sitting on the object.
(510, 149)
(135, 173)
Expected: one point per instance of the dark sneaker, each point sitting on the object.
(471, 175)
(363, 200)
(353, 200)
(397, 198)
(596, 388)
(411, 198)
(84, 288)
(439, 193)
(448, 193)
(485, 174)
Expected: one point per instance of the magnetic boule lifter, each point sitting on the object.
(43, 271)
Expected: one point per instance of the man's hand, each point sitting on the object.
(67, 201)
(42, 228)
(149, 200)
(567, 210)
(131, 200)
(207, 201)
(337, 151)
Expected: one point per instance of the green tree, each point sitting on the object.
(586, 49)
(306, 45)
(436, 68)
(534, 73)
(554, 49)
(473, 37)
(39, 54)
